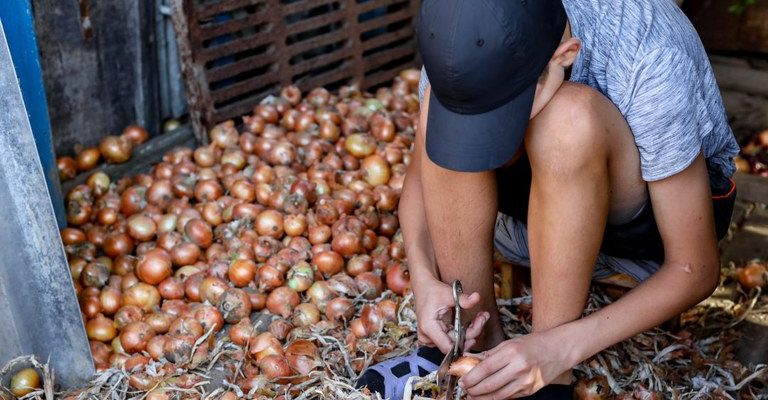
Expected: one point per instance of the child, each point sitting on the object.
(625, 166)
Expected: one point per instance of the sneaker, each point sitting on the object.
(388, 378)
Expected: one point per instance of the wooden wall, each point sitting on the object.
(99, 67)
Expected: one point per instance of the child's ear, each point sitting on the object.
(566, 52)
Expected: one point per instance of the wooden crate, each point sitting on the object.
(234, 52)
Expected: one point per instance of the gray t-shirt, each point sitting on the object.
(645, 56)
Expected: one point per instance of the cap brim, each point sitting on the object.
(477, 142)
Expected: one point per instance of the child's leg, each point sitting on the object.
(585, 168)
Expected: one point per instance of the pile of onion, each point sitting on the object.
(292, 214)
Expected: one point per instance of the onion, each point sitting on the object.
(382, 128)
(347, 244)
(319, 294)
(95, 274)
(270, 277)
(241, 332)
(107, 216)
(199, 233)
(235, 305)
(24, 382)
(375, 170)
(160, 322)
(117, 244)
(142, 295)
(369, 284)
(301, 276)
(192, 286)
(282, 301)
(185, 254)
(224, 135)
(127, 314)
(111, 300)
(155, 347)
(270, 223)
(115, 149)
(171, 288)
(242, 272)
(280, 328)
(360, 145)
(372, 319)
(98, 182)
(295, 225)
(320, 233)
(134, 336)
(70, 236)
(141, 227)
(267, 112)
(67, 167)
(100, 352)
(178, 349)
(186, 327)
(135, 134)
(463, 365)
(258, 299)
(274, 366)
(359, 264)
(398, 278)
(302, 356)
(101, 328)
(265, 344)
(357, 328)
(752, 275)
(388, 310)
(210, 317)
(154, 266)
(305, 314)
(292, 94)
(208, 190)
(211, 289)
(340, 308)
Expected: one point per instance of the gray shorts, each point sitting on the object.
(511, 240)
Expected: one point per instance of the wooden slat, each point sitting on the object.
(242, 87)
(209, 31)
(315, 42)
(387, 38)
(348, 60)
(295, 8)
(376, 60)
(229, 70)
(325, 78)
(233, 47)
(386, 20)
(323, 60)
(313, 23)
(244, 106)
(210, 10)
(372, 5)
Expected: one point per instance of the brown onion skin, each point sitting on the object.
(282, 301)
(154, 266)
(171, 288)
(340, 308)
(242, 272)
(235, 304)
(134, 336)
(143, 295)
(369, 284)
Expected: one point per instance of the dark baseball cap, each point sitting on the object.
(483, 59)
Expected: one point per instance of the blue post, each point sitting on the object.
(18, 22)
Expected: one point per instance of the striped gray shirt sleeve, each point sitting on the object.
(667, 113)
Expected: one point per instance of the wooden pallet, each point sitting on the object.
(234, 52)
